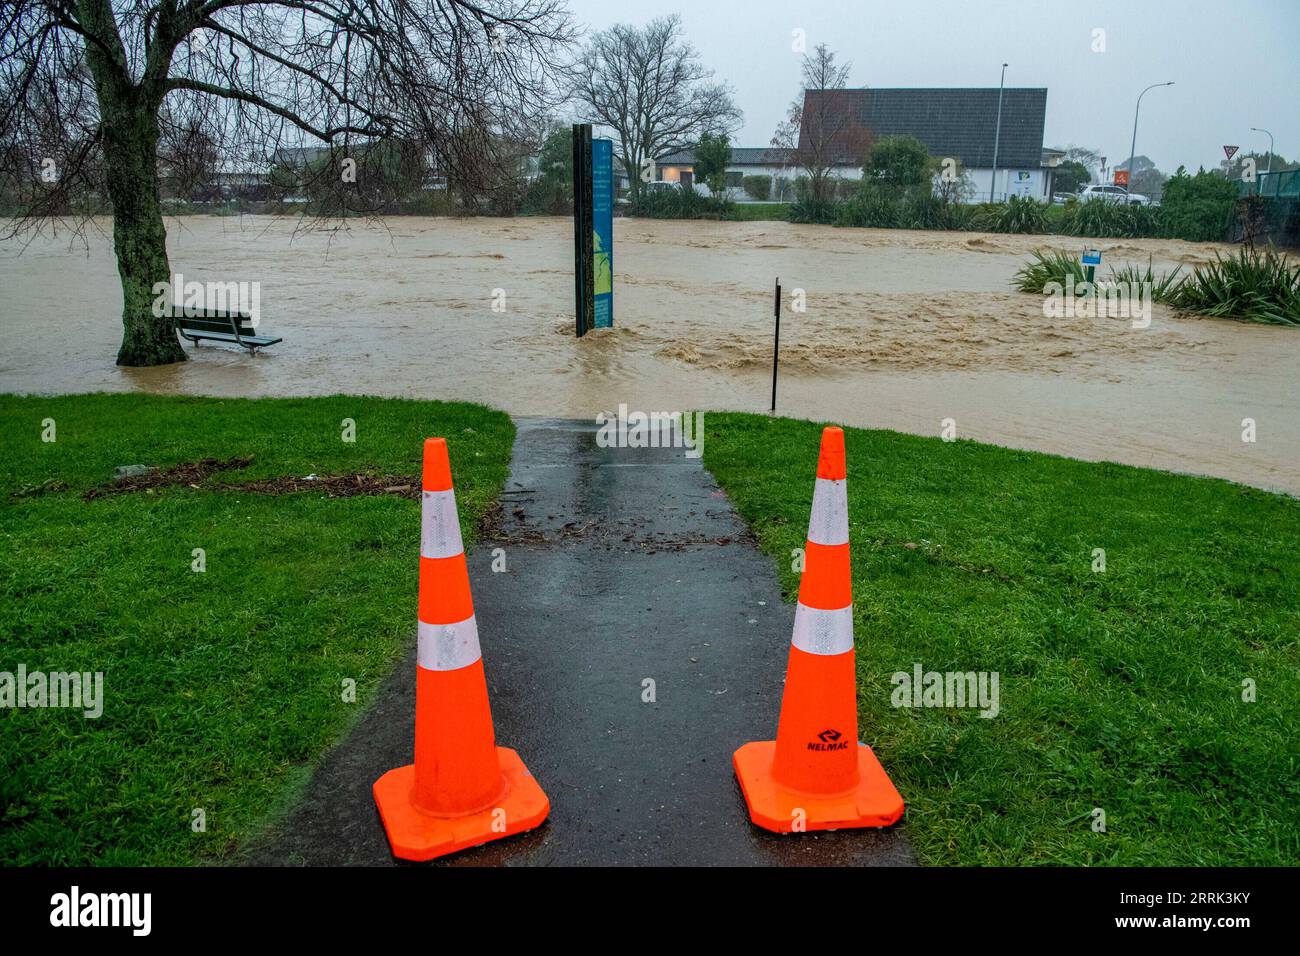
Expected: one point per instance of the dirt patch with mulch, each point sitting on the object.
(333, 486)
(186, 473)
(192, 473)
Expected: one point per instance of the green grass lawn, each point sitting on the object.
(1120, 690)
(221, 688)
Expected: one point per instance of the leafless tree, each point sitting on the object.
(649, 86)
(820, 130)
(1090, 158)
(96, 89)
(188, 156)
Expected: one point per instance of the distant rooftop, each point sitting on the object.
(740, 156)
(956, 122)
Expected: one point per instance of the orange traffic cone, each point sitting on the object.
(816, 775)
(462, 790)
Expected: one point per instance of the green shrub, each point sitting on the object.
(877, 205)
(1163, 287)
(1019, 214)
(1048, 267)
(548, 196)
(712, 154)
(1197, 208)
(679, 203)
(1252, 285)
(1145, 221)
(1102, 219)
(1061, 267)
(872, 207)
(899, 161)
(957, 216)
(808, 208)
(757, 187)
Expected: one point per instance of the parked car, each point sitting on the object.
(659, 186)
(1112, 194)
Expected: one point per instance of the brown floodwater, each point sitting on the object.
(901, 330)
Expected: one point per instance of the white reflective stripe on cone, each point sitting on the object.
(830, 513)
(448, 647)
(823, 632)
(439, 525)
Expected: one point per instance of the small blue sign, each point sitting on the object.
(1092, 257)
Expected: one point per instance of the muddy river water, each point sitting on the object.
(900, 330)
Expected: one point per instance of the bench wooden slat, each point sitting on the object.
(221, 327)
(258, 340)
(216, 322)
(215, 327)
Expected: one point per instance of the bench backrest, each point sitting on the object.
(216, 322)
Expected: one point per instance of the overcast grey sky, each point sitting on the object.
(1235, 64)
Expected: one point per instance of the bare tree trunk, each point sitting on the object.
(139, 236)
(129, 126)
(632, 165)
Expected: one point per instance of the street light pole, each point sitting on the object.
(997, 133)
(1256, 129)
(1133, 147)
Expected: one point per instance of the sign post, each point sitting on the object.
(593, 230)
(776, 342)
(1091, 259)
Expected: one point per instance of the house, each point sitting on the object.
(839, 126)
(745, 161)
(954, 123)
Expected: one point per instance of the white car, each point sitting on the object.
(1112, 194)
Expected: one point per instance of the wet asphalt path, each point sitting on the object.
(623, 565)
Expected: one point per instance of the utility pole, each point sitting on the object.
(997, 133)
(1256, 129)
(1133, 146)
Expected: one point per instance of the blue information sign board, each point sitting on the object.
(602, 228)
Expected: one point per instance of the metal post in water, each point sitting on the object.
(776, 342)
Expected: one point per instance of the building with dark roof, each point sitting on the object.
(839, 126)
(953, 123)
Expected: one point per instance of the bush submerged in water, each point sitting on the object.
(1019, 214)
(1102, 219)
(1252, 285)
(880, 206)
(678, 203)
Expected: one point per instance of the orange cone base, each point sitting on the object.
(417, 835)
(873, 803)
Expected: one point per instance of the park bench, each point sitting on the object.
(222, 327)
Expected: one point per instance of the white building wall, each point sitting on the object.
(1034, 185)
(1033, 182)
